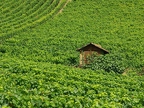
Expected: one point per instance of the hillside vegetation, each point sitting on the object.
(17, 16)
(38, 54)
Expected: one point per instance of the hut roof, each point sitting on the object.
(95, 45)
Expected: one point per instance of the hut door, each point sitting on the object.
(87, 54)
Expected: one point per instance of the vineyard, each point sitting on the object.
(17, 16)
(38, 57)
(33, 84)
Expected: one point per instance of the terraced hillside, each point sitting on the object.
(38, 53)
(17, 16)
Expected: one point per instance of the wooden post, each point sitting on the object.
(81, 59)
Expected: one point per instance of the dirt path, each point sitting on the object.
(60, 11)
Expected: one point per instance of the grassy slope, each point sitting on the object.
(116, 25)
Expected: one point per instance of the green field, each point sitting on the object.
(38, 57)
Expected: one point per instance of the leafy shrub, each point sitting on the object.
(72, 60)
(111, 62)
(2, 50)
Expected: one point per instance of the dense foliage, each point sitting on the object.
(109, 63)
(34, 85)
(38, 55)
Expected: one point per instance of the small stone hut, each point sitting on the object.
(88, 50)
